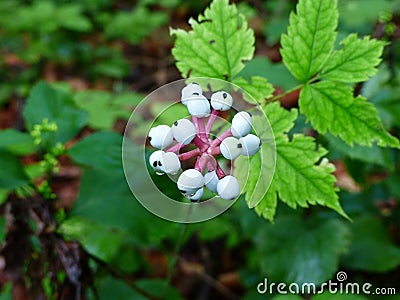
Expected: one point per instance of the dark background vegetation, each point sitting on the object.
(92, 240)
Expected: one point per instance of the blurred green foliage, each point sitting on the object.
(303, 245)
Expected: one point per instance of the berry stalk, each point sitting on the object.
(175, 148)
(189, 155)
(220, 172)
(218, 140)
(211, 120)
(202, 129)
(200, 143)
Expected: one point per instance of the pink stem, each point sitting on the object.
(220, 172)
(202, 129)
(195, 121)
(190, 154)
(220, 138)
(211, 120)
(175, 148)
(200, 143)
(214, 151)
(197, 165)
(211, 163)
(206, 159)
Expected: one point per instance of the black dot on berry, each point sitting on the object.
(196, 93)
(154, 164)
(159, 163)
(239, 146)
(149, 138)
(224, 95)
(176, 123)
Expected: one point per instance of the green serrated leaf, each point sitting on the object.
(298, 180)
(330, 106)
(218, 44)
(46, 102)
(310, 38)
(281, 120)
(356, 61)
(255, 173)
(311, 251)
(258, 87)
(267, 206)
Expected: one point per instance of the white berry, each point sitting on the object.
(228, 188)
(155, 161)
(211, 180)
(198, 106)
(230, 148)
(250, 144)
(160, 136)
(190, 181)
(196, 196)
(170, 163)
(241, 124)
(221, 101)
(192, 89)
(183, 131)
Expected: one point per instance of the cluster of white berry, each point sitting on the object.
(230, 144)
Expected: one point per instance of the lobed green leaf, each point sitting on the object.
(300, 179)
(218, 44)
(330, 106)
(310, 38)
(357, 60)
(258, 87)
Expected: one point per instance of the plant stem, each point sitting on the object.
(197, 164)
(277, 97)
(214, 150)
(202, 129)
(200, 143)
(220, 138)
(220, 172)
(190, 154)
(211, 120)
(175, 257)
(175, 148)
